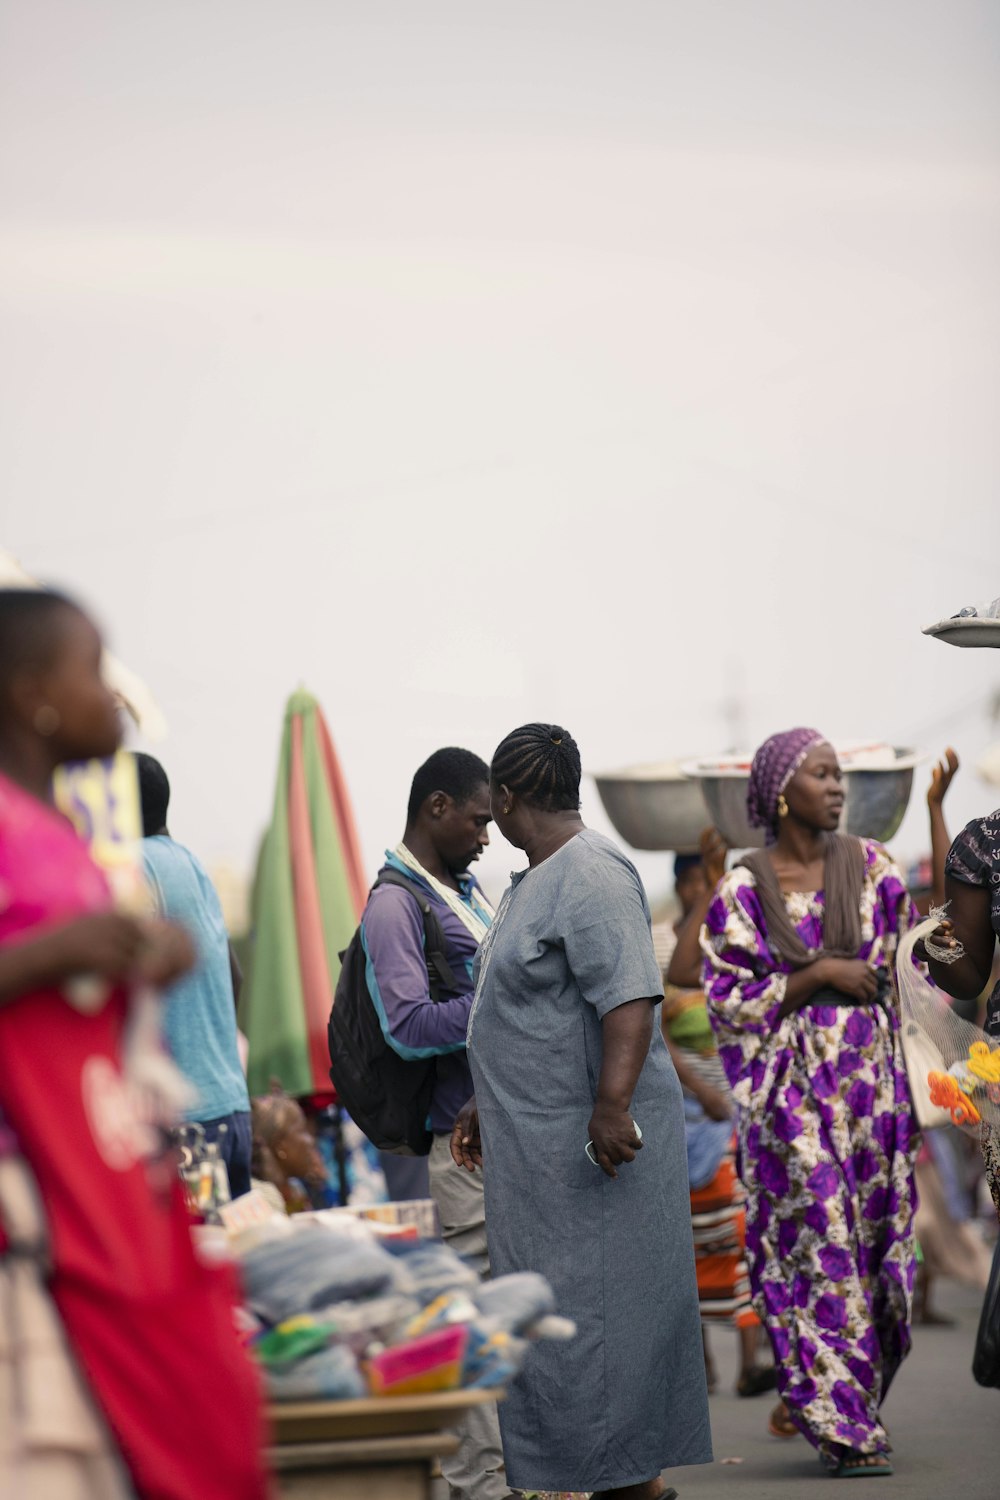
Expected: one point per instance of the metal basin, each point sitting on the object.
(655, 806)
(875, 796)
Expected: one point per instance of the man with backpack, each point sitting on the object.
(414, 952)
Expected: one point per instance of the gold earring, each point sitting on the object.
(506, 812)
(47, 720)
(782, 806)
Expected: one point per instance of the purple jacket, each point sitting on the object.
(392, 933)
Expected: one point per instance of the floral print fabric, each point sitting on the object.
(826, 1152)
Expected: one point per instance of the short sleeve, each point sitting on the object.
(153, 901)
(975, 854)
(608, 944)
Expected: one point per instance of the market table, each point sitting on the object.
(381, 1448)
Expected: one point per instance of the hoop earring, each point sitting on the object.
(47, 720)
(782, 806)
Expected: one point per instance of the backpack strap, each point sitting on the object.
(440, 975)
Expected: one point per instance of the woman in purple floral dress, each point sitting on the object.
(799, 943)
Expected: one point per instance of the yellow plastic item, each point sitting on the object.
(444, 1378)
(984, 1062)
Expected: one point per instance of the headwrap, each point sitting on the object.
(774, 765)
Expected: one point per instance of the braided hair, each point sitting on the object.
(541, 763)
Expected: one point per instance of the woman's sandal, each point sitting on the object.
(780, 1424)
(757, 1380)
(856, 1467)
(667, 1494)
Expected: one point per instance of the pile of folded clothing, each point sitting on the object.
(338, 1308)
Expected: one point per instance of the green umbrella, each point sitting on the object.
(308, 899)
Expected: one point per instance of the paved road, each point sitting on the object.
(945, 1429)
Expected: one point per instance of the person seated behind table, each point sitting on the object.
(199, 1017)
(286, 1159)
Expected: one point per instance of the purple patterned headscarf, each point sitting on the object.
(774, 765)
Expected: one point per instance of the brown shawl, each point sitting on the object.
(844, 878)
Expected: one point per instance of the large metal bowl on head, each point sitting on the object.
(878, 780)
(655, 806)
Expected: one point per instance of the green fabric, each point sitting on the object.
(292, 1341)
(272, 1011)
(693, 1030)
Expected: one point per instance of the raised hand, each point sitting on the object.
(942, 776)
(713, 849)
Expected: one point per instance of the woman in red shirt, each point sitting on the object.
(150, 1326)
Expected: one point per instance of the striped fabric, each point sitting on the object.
(718, 1218)
(664, 943)
(718, 1222)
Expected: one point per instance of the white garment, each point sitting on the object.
(53, 1444)
(476, 914)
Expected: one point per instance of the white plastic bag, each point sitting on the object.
(953, 1071)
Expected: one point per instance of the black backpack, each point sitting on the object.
(386, 1095)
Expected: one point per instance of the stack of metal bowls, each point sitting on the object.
(877, 787)
(655, 806)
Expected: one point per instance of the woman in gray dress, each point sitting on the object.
(567, 1061)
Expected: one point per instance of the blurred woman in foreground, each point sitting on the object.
(150, 1326)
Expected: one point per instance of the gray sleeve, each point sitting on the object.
(609, 947)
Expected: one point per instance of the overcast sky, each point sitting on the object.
(635, 366)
